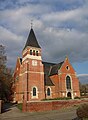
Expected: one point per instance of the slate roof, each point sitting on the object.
(31, 40)
(49, 70)
(48, 63)
(47, 67)
(55, 68)
(47, 80)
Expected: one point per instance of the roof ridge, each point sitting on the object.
(49, 63)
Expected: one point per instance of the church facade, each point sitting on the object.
(35, 80)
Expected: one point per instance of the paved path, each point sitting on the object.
(13, 113)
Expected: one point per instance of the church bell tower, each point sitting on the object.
(33, 73)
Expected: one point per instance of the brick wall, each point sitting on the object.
(39, 106)
(1, 106)
(60, 81)
(51, 105)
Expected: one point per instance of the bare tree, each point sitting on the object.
(84, 89)
(2, 55)
(5, 76)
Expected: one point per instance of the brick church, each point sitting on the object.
(35, 80)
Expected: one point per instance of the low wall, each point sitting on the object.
(51, 105)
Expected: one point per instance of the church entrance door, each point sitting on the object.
(69, 94)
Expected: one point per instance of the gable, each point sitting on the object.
(67, 67)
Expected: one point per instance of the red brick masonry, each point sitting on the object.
(51, 105)
(0, 105)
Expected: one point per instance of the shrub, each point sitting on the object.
(77, 98)
(64, 98)
(19, 106)
(82, 111)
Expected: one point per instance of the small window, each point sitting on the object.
(48, 91)
(30, 52)
(33, 52)
(34, 91)
(67, 67)
(36, 53)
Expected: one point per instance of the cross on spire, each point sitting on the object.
(31, 23)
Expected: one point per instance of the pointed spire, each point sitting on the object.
(32, 41)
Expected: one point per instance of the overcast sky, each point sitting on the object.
(61, 28)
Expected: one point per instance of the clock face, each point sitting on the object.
(34, 63)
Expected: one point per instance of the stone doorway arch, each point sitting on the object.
(69, 95)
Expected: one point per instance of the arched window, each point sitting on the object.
(33, 52)
(36, 53)
(34, 91)
(68, 82)
(30, 52)
(48, 92)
